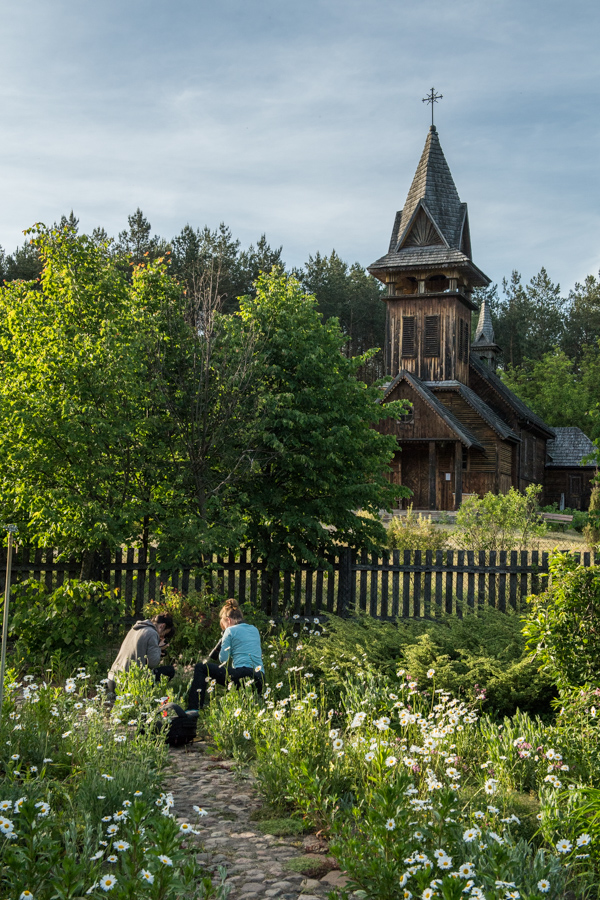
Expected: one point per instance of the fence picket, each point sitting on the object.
(395, 583)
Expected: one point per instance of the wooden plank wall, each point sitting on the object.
(419, 584)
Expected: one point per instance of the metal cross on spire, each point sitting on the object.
(432, 98)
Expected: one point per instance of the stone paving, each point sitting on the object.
(230, 837)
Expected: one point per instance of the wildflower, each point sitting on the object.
(108, 882)
(279, 684)
(430, 673)
(47, 759)
(165, 860)
(121, 814)
(471, 834)
(583, 840)
(564, 846)
(97, 855)
(186, 828)
(444, 863)
(383, 723)
(390, 824)
(5, 804)
(112, 858)
(338, 744)
(121, 845)
(391, 761)
(247, 735)
(237, 712)
(26, 895)
(112, 829)
(107, 777)
(126, 803)
(199, 811)
(15, 757)
(358, 720)
(44, 808)
(369, 756)
(106, 818)
(543, 886)
(427, 894)
(33, 769)
(490, 786)
(466, 870)
(147, 876)
(136, 794)
(6, 826)
(493, 810)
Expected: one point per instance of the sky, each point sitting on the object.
(305, 121)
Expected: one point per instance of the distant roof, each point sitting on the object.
(464, 435)
(569, 448)
(484, 333)
(433, 227)
(475, 402)
(521, 409)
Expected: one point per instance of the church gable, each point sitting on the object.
(422, 232)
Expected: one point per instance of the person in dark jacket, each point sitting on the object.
(144, 645)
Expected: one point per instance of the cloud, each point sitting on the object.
(305, 121)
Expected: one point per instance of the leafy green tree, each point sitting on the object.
(355, 298)
(560, 390)
(74, 400)
(318, 461)
(22, 265)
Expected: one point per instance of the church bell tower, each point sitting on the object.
(430, 276)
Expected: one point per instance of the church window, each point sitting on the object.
(409, 329)
(432, 335)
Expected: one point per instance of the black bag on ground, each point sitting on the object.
(180, 729)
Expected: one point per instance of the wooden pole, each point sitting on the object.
(432, 475)
(458, 455)
(11, 530)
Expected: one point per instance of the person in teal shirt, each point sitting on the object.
(239, 652)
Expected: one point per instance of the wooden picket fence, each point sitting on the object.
(406, 584)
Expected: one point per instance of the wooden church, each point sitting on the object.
(466, 432)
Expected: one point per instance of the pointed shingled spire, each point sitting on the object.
(431, 232)
(433, 184)
(484, 344)
(485, 328)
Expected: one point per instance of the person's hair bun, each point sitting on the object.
(231, 610)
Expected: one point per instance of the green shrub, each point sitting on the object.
(77, 620)
(563, 623)
(479, 657)
(415, 532)
(500, 521)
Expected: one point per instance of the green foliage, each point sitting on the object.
(74, 399)
(77, 620)
(592, 528)
(479, 657)
(500, 521)
(580, 518)
(415, 532)
(563, 623)
(318, 459)
(559, 388)
(355, 299)
(196, 619)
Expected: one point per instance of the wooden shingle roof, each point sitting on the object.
(568, 448)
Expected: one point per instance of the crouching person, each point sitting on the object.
(239, 652)
(144, 645)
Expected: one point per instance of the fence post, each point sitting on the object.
(345, 582)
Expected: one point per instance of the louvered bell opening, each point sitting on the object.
(432, 335)
(460, 340)
(409, 334)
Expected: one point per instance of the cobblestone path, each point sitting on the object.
(255, 862)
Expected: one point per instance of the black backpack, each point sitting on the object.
(180, 729)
